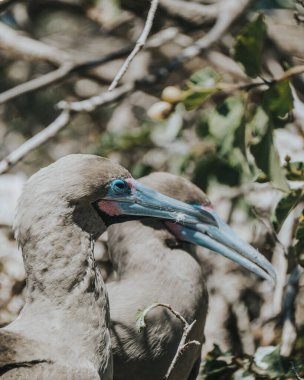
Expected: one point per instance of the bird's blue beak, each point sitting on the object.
(223, 240)
(197, 224)
(129, 197)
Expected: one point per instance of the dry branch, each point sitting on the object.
(20, 45)
(190, 11)
(186, 331)
(71, 67)
(62, 72)
(60, 122)
(139, 44)
(86, 105)
(89, 105)
(229, 11)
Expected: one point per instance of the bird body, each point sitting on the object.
(64, 325)
(63, 331)
(158, 273)
(154, 265)
(151, 266)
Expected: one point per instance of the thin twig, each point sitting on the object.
(86, 105)
(186, 331)
(228, 12)
(71, 67)
(36, 83)
(189, 11)
(60, 122)
(21, 45)
(62, 72)
(139, 45)
(89, 105)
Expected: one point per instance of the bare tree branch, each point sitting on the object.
(36, 83)
(89, 105)
(69, 67)
(228, 12)
(186, 331)
(226, 17)
(62, 72)
(190, 11)
(57, 125)
(139, 44)
(18, 44)
(86, 105)
(60, 122)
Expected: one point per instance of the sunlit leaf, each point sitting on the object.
(278, 98)
(258, 125)
(206, 77)
(197, 98)
(202, 85)
(223, 122)
(274, 364)
(267, 159)
(286, 204)
(249, 46)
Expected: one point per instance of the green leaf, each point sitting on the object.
(196, 98)
(278, 99)
(206, 77)
(249, 46)
(294, 171)
(286, 204)
(267, 158)
(202, 85)
(258, 125)
(275, 364)
(224, 121)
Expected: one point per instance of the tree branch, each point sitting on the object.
(86, 105)
(24, 46)
(229, 11)
(60, 122)
(62, 72)
(139, 44)
(186, 331)
(190, 11)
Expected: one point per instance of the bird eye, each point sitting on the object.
(120, 186)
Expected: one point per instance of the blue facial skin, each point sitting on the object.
(199, 225)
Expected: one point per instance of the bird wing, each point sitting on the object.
(27, 359)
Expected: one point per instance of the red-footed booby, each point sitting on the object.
(63, 330)
(153, 265)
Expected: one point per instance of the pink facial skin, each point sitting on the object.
(175, 229)
(110, 207)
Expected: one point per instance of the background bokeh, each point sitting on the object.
(226, 117)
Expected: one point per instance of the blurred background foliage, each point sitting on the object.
(231, 119)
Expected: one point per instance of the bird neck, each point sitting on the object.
(65, 291)
(148, 254)
(59, 262)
